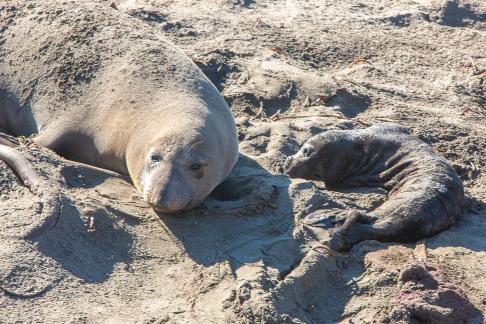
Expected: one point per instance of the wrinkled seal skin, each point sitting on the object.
(102, 88)
(425, 194)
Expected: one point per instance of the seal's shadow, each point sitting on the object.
(249, 223)
(245, 214)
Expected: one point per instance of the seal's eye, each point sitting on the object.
(195, 167)
(154, 157)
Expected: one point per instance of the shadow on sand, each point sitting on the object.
(250, 221)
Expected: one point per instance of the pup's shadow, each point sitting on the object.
(249, 223)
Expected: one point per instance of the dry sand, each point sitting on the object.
(288, 69)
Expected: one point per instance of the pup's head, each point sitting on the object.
(323, 157)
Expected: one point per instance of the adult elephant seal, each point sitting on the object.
(425, 194)
(102, 88)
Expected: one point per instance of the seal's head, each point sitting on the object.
(323, 157)
(177, 171)
(182, 142)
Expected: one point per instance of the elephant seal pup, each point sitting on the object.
(425, 194)
(102, 88)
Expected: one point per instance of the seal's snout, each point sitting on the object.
(167, 192)
(168, 206)
(293, 167)
(168, 201)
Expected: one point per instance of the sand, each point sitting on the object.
(252, 254)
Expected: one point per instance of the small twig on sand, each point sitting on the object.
(261, 111)
(34, 294)
(280, 51)
(352, 82)
(288, 93)
(387, 120)
(473, 166)
(476, 69)
(309, 116)
(276, 116)
(359, 61)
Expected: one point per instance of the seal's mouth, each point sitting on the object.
(169, 210)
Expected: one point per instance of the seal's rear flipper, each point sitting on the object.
(51, 201)
(20, 166)
(344, 239)
(357, 227)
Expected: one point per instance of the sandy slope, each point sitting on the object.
(254, 255)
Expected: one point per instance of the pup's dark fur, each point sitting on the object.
(425, 194)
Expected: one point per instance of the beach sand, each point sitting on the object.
(288, 69)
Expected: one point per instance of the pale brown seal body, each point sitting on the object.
(425, 194)
(102, 88)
